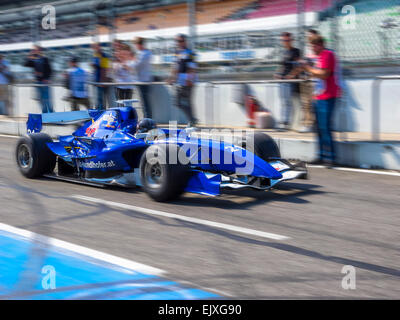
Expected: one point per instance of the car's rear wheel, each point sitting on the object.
(161, 179)
(33, 156)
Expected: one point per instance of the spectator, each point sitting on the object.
(326, 93)
(184, 75)
(5, 79)
(307, 87)
(117, 45)
(124, 71)
(290, 57)
(76, 81)
(102, 69)
(339, 70)
(43, 71)
(143, 71)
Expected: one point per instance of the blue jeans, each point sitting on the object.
(286, 93)
(324, 110)
(45, 99)
(144, 92)
(106, 96)
(100, 98)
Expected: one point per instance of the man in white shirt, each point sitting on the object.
(123, 70)
(142, 67)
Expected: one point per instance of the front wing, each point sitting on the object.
(211, 184)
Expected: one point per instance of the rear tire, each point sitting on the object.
(263, 146)
(163, 181)
(33, 156)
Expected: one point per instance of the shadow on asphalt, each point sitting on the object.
(246, 198)
(292, 249)
(299, 190)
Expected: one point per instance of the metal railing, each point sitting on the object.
(212, 92)
(211, 87)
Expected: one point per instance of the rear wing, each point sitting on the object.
(36, 121)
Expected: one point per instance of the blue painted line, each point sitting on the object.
(77, 276)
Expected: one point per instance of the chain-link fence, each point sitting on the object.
(237, 36)
(363, 31)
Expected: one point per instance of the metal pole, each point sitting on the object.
(35, 26)
(375, 117)
(111, 24)
(334, 28)
(300, 24)
(95, 23)
(192, 22)
(209, 106)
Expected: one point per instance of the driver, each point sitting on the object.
(145, 125)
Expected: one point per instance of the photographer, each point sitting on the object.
(184, 76)
(101, 65)
(307, 87)
(42, 70)
(76, 79)
(142, 68)
(326, 93)
(288, 91)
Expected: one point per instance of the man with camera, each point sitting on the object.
(42, 71)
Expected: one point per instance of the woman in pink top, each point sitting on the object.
(326, 93)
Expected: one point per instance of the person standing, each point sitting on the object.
(5, 77)
(76, 80)
(42, 69)
(326, 93)
(142, 67)
(124, 72)
(102, 69)
(306, 87)
(287, 90)
(184, 76)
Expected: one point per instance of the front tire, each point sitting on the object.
(162, 180)
(263, 146)
(33, 156)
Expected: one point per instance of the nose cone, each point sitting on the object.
(250, 164)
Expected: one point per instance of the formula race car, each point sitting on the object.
(113, 147)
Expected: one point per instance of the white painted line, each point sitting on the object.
(184, 218)
(386, 173)
(395, 174)
(9, 136)
(101, 256)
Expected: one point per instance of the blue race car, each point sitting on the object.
(113, 147)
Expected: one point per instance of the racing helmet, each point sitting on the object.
(146, 125)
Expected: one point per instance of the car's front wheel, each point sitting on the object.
(262, 145)
(161, 178)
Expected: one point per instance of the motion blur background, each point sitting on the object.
(233, 39)
(338, 218)
(230, 36)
